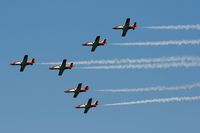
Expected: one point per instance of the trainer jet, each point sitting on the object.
(95, 44)
(88, 105)
(126, 27)
(77, 90)
(62, 67)
(23, 63)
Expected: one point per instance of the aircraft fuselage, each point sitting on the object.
(122, 27)
(21, 63)
(91, 43)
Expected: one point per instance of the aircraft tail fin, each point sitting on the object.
(105, 41)
(97, 103)
(72, 65)
(87, 88)
(135, 25)
(33, 61)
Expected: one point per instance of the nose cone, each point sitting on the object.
(85, 43)
(54, 67)
(86, 88)
(114, 27)
(77, 106)
(12, 63)
(66, 91)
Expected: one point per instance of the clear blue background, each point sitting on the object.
(51, 30)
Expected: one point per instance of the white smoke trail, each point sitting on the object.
(175, 27)
(161, 100)
(146, 66)
(155, 89)
(132, 61)
(160, 43)
(49, 63)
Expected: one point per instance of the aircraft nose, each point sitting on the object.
(84, 44)
(66, 91)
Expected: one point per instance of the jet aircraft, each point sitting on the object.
(77, 90)
(126, 27)
(23, 63)
(88, 105)
(95, 44)
(62, 67)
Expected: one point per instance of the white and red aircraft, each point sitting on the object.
(62, 67)
(23, 63)
(77, 90)
(95, 44)
(88, 105)
(126, 27)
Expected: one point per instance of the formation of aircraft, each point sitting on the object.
(62, 67)
(126, 27)
(77, 90)
(88, 105)
(23, 63)
(95, 44)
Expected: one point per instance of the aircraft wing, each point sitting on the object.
(64, 63)
(94, 48)
(22, 67)
(86, 110)
(24, 62)
(78, 89)
(124, 32)
(61, 72)
(95, 44)
(62, 67)
(87, 107)
(25, 59)
(127, 23)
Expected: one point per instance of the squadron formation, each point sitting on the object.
(61, 68)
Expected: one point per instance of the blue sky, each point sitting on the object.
(49, 30)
